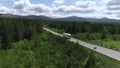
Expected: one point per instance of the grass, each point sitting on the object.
(95, 39)
(55, 29)
(112, 44)
(108, 62)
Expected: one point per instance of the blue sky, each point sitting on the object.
(47, 2)
(63, 8)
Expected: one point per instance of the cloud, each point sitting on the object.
(112, 12)
(22, 4)
(26, 7)
(41, 8)
(112, 8)
(118, 15)
(4, 9)
(112, 5)
(78, 7)
(57, 2)
(59, 8)
(72, 9)
(85, 4)
(113, 2)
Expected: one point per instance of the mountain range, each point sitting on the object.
(69, 19)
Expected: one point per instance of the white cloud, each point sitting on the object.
(113, 2)
(57, 2)
(4, 9)
(112, 8)
(42, 8)
(82, 8)
(85, 4)
(72, 9)
(22, 4)
(25, 7)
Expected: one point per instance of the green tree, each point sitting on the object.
(105, 33)
(6, 36)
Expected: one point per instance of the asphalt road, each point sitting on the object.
(105, 51)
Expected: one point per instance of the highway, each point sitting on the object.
(105, 51)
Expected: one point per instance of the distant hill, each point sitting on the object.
(9, 15)
(72, 18)
(92, 20)
(27, 17)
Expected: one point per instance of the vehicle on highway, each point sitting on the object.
(67, 35)
(95, 47)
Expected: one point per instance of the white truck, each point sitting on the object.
(67, 35)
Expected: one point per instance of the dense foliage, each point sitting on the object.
(13, 30)
(48, 51)
(107, 31)
(91, 32)
(25, 45)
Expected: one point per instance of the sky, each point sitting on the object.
(63, 8)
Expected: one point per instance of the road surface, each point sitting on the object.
(105, 51)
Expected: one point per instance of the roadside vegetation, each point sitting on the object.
(54, 29)
(106, 35)
(24, 44)
(46, 52)
(112, 44)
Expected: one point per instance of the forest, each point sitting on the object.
(107, 35)
(14, 30)
(24, 44)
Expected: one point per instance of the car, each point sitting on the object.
(95, 48)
